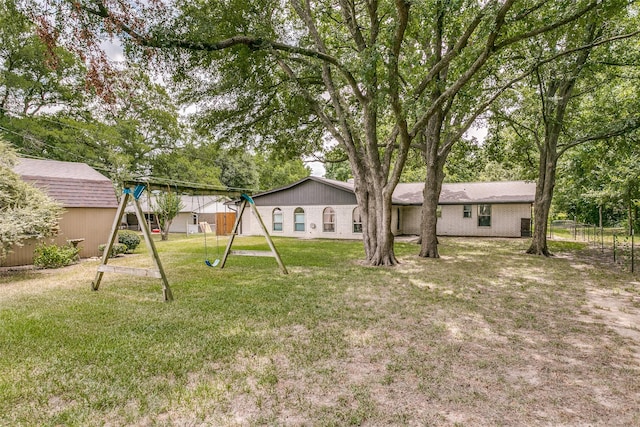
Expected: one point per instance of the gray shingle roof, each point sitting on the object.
(72, 184)
(457, 193)
(469, 193)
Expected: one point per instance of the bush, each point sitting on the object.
(129, 238)
(116, 249)
(52, 256)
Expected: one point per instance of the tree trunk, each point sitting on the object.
(434, 160)
(544, 192)
(377, 236)
(164, 230)
(431, 192)
(541, 208)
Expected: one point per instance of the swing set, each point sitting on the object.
(133, 190)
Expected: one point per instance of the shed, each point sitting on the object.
(88, 198)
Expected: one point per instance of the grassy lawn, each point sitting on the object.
(486, 335)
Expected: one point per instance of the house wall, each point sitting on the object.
(185, 220)
(180, 222)
(313, 222)
(505, 220)
(91, 224)
(411, 217)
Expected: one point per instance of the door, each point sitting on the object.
(525, 227)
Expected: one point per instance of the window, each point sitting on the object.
(357, 221)
(329, 220)
(484, 215)
(298, 219)
(277, 219)
(466, 211)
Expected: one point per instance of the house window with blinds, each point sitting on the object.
(484, 215)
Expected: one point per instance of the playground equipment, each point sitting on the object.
(133, 190)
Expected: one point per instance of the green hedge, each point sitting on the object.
(129, 238)
(53, 256)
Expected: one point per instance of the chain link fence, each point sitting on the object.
(615, 244)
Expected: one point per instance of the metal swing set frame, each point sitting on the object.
(133, 190)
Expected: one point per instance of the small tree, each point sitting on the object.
(166, 207)
(25, 211)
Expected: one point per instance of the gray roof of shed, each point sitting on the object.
(456, 193)
(74, 185)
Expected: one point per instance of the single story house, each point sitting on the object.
(195, 209)
(317, 207)
(89, 202)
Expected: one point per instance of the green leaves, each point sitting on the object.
(166, 207)
(25, 211)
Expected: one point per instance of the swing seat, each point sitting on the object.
(214, 264)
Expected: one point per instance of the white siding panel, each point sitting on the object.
(411, 218)
(505, 221)
(180, 222)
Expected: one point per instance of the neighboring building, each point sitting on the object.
(88, 198)
(322, 208)
(195, 209)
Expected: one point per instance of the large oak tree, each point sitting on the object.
(568, 101)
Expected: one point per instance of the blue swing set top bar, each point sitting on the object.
(186, 188)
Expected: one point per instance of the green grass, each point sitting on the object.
(484, 335)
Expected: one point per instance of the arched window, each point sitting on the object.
(277, 219)
(298, 219)
(329, 220)
(357, 221)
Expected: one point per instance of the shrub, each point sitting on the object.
(129, 238)
(53, 256)
(116, 249)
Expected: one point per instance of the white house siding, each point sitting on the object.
(505, 221)
(410, 219)
(313, 222)
(180, 222)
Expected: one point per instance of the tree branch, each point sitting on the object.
(618, 129)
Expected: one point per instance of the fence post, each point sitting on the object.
(632, 255)
(614, 247)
